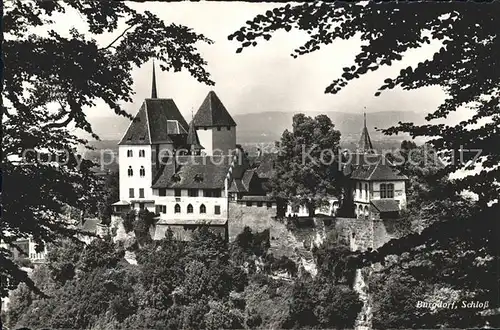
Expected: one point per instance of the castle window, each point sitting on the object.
(387, 190)
(216, 193)
(193, 192)
(366, 190)
(229, 128)
(162, 192)
(218, 128)
(131, 193)
(130, 171)
(390, 190)
(141, 192)
(160, 209)
(190, 208)
(177, 208)
(177, 192)
(142, 172)
(217, 209)
(142, 153)
(203, 208)
(259, 204)
(249, 203)
(129, 153)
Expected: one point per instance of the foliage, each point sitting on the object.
(111, 194)
(322, 304)
(455, 240)
(267, 302)
(43, 98)
(128, 220)
(303, 172)
(464, 67)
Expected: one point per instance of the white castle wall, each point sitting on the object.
(136, 181)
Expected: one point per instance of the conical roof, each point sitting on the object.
(213, 113)
(365, 143)
(192, 138)
(154, 93)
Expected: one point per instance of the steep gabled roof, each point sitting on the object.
(138, 131)
(213, 113)
(156, 122)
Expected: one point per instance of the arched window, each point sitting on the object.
(142, 171)
(366, 190)
(129, 153)
(190, 208)
(142, 153)
(366, 212)
(177, 208)
(360, 211)
(203, 209)
(390, 190)
(130, 171)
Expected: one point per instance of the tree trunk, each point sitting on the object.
(311, 208)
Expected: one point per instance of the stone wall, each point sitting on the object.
(362, 233)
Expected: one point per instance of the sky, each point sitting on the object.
(265, 77)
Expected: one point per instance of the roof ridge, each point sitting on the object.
(373, 171)
(147, 122)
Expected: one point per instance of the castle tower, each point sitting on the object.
(365, 143)
(157, 127)
(215, 127)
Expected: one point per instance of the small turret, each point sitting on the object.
(193, 141)
(365, 143)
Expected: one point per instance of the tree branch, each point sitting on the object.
(116, 39)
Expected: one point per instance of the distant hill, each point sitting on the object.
(268, 126)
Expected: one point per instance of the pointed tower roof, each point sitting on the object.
(192, 138)
(365, 143)
(213, 113)
(154, 93)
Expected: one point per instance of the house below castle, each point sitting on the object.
(375, 189)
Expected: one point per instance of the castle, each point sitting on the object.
(187, 174)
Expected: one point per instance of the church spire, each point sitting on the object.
(365, 143)
(154, 93)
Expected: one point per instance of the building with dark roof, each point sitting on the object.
(215, 126)
(185, 173)
(376, 189)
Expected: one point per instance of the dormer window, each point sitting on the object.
(176, 178)
(142, 172)
(129, 153)
(142, 153)
(130, 172)
(198, 178)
